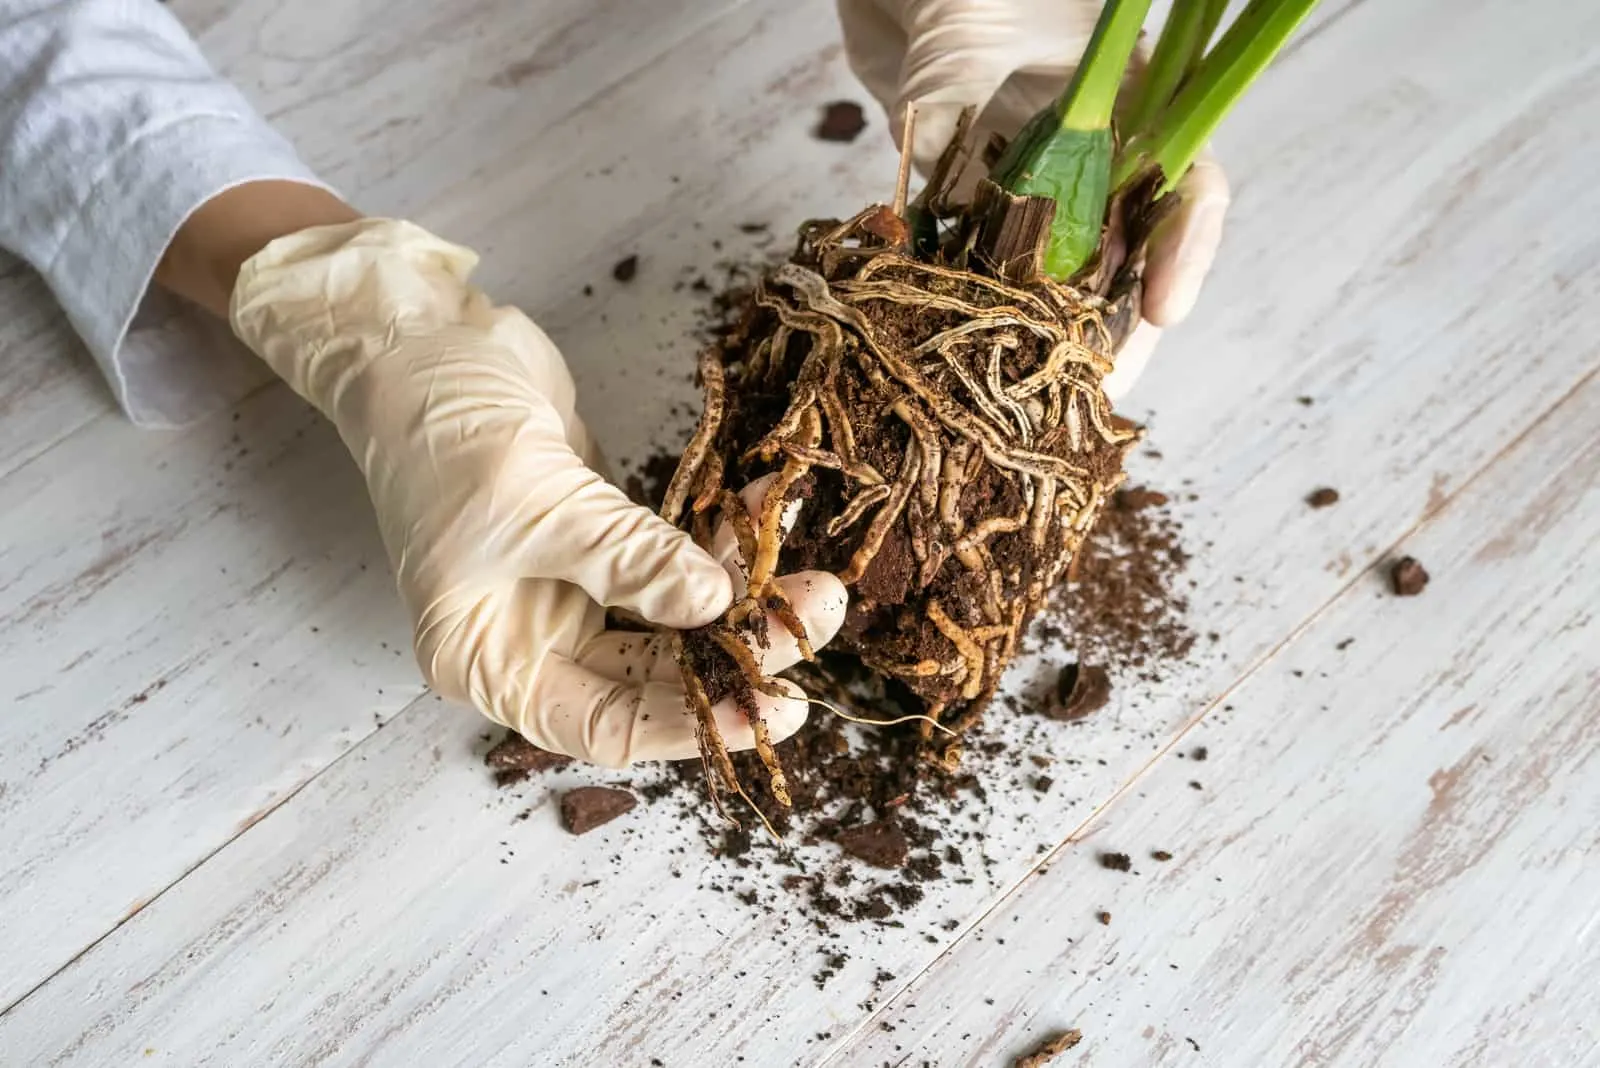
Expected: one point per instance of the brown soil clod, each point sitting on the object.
(514, 758)
(842, 121)
(1408, 577)
(882, 844)
(625, 269)
(587, 807)
(1160, 854)
(1116, 861)
(1323, 498)
(1104, 918)
(1050, 1049)
(1080, 690)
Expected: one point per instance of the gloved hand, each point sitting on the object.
(505, 541)
(1009, 58)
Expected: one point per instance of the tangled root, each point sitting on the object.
(1004, 450)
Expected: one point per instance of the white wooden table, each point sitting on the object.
(236, 831)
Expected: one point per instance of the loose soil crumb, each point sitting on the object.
(881, 844)
(1322, 498)
(1123, 605)
(515, 758)
(588, 807)
(1199, 752)
(1160, 854)
(1408, 577)
(1104, 918)
(1116, 861)
(842, 121)
(1050, 1050)
(1080, 690)
(625, 269)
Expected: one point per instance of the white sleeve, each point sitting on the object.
(113, 129)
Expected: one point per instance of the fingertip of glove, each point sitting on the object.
(784, 718)
(697, 590)
(821, 601)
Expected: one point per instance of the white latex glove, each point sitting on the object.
(1009, 58)
(505, 542)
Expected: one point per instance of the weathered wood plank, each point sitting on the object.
(1392, 858)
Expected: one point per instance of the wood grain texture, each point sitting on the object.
(1392, 858)
(370, 919)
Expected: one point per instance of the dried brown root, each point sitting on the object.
(734, 646)
(1049, 1050)
(694, 454)
(720, 774)
(970, 650)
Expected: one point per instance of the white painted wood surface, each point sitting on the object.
(213, 855)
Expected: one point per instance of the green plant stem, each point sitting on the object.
(1175, 55)
(1176, 137)
(1208, 30)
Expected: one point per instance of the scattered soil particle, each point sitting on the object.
(1342, 646)
(1136, 498)
(1104, 918)
(1199, 752)
(881, 844)
(1123, 607)
(1161, 855)
(1042, 783)
(1116, 861)
(1322, 498)
(1193, 785)
(1052, 1048)
(625, 269)
(842, 121)
(1305, 401)
(1408, 577)
(588, 807)
(1080, 690)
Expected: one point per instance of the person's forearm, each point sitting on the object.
(114, 133)
(202, 262)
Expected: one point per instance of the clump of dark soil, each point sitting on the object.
(1408, 577)
(842, 121)
(515, 758)
(1116, 861)
(1123, 606)
(1322, 498)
